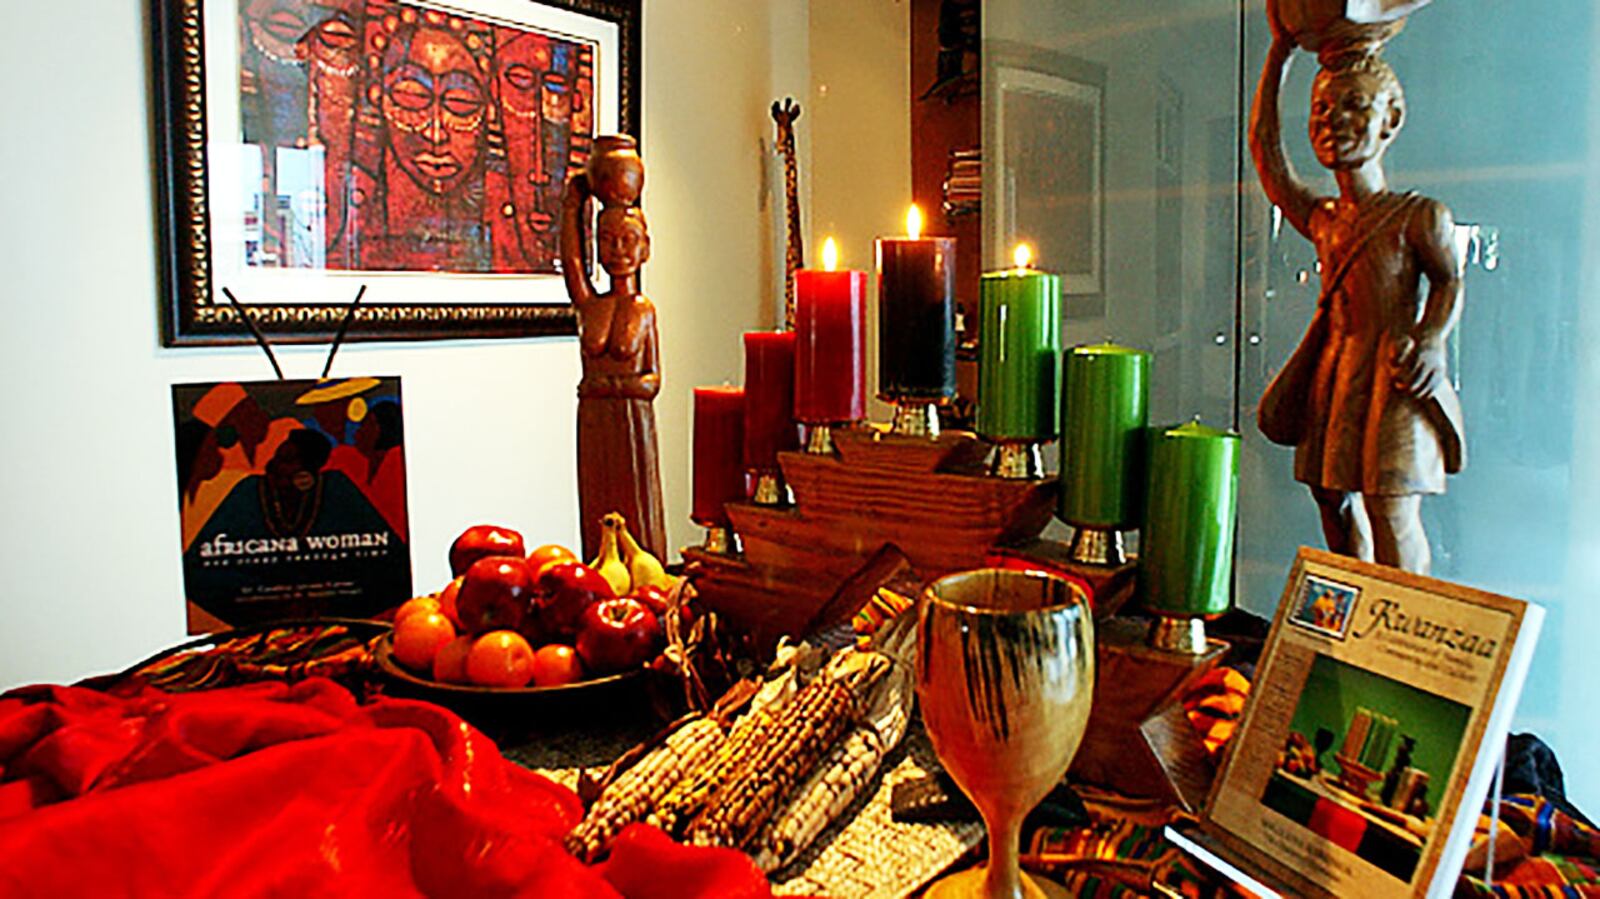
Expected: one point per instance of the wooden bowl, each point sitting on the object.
(515, 711)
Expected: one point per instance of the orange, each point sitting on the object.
(447, 602)
(450, 663)
(414, 605)
(548, 554)
(418, 638)
(556, 664)
(500, 659)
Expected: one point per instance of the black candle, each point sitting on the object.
(916, 317)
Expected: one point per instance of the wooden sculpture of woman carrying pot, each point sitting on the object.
(1365, 399)
(618, 463)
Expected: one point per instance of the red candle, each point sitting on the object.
(769, 426)
(718, 453)
(830, 368)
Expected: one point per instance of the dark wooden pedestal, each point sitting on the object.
(1139, 741)
(1113, 585)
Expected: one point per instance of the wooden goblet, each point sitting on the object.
(1005, 676)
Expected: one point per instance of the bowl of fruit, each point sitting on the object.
(529, 638)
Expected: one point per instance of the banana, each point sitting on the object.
(644, 568)
(609, 563)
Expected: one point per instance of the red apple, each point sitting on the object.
(481, 541)
(495, 595)
(616, 635)
(656, 600)
(653, 597)
(564, 591)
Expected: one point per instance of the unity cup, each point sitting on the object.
(1005, 677)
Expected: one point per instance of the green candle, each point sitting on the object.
(1186, 549)
(1105, 408)
(1019, 360)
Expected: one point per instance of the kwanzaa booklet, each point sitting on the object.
(1370, 739)
(292, 499)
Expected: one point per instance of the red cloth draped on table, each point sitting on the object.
(295, 790)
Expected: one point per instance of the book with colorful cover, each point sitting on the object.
(292, 499)
(1370, 740)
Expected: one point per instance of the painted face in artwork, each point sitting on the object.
(623, 245)
(520, 62)
(275, 27)
(519, 65)
(334, 41)
(1353, 119)
(435, 104)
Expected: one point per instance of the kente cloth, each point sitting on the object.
(289, 653)
(1362, 433)
(273, 789)
(619, 470)
(1121, 851)
(1115, 856)
(1214, 705)
(1562, 856)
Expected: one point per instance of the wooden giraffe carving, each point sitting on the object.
(785, 114)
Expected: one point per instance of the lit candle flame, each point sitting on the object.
(914, 222)
(1022, 255)
(830, 255)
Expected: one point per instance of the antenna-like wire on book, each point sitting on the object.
(254, 331)
(266, 346)
(344, 326)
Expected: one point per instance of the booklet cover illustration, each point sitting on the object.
(292, 499)
(1381, 704)
(1366, 762)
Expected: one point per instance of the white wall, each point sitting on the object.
(860, 132)
(88, 509)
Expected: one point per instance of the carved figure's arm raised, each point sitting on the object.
(1420, 360)
(574, 236)
(1284, 188)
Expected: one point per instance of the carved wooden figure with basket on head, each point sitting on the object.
(618, 461)
(1365, 399)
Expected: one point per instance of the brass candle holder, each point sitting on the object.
(721, 539)
(1017, 460)
(770, 489)
(1097, 546)
(819, 437)
(1181, 635)
(915, 417)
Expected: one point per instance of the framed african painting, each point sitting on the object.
(414, 148)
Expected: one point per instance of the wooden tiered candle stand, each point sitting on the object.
(928, 499)
(929, 505)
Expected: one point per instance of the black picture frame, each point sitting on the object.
(193, 310)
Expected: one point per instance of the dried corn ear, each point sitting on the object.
(631, 796)
(846, 771)
(806, 727)
(689, 796)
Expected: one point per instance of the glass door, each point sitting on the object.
(1114, 138)
(1501, 120)
(1111, 136)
